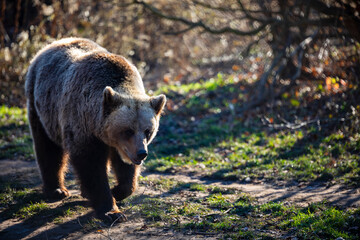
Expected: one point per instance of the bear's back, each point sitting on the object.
(66, 80)
(55, 59)
(73, 48)
(91, 63)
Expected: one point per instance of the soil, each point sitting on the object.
(136, 228)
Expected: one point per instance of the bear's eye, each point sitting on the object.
(129, 133)
(147, 133)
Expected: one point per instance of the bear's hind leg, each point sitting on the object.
(50, 157)
(126, 175)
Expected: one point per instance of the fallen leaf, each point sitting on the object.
(166, 79)
(328, 83)
(235, 68)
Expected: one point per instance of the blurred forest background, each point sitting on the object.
(276, 45)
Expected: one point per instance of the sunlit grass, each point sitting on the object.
(318, 223)
(237, 215)
(15, 139)
(204, 85)
(12, 115)
(31, 210)
(249, 153)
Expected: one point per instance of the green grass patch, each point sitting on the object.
(12, 116)
(31, 210)
(217, 200)
(14, 198)
(203, 85)
(198, 187)
(237, 215)
(325, 223)
(156, 209)
(10, 195)
(15, 139)
(68, 212)
(251, 154)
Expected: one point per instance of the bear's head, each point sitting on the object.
(131, 123)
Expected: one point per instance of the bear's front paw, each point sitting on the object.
(58, 193)
(113, 217)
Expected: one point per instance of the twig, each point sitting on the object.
(4, 33)
(294, 126)
(205, 233)
(287, 125)
(109, 228)
(80, 223)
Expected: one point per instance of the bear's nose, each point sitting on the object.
(141, 155)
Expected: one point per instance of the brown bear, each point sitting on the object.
(89, 105)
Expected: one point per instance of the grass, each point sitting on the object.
(10, 195)
(69, 212)
(328, 223)
(20, 202)
(268, 157)
(223, 145)
(239, 216)
(28, 205)
(203, 85)
(12, 116)
(31, 210)
(15, 139)
(202, 135)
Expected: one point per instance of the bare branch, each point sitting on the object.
(200, 24)
(181, 31)
(264, 22)
(251, 17)
(222, 9)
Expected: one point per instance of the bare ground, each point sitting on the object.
(77, 227)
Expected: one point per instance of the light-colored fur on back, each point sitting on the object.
(66, 80)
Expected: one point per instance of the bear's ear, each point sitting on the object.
(111, 100)
(158, 103)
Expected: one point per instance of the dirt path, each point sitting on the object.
(300, 195)
(76, 227)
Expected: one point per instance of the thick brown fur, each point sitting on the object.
(88, 105)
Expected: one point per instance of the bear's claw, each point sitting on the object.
(58, 193)
(113, 217)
